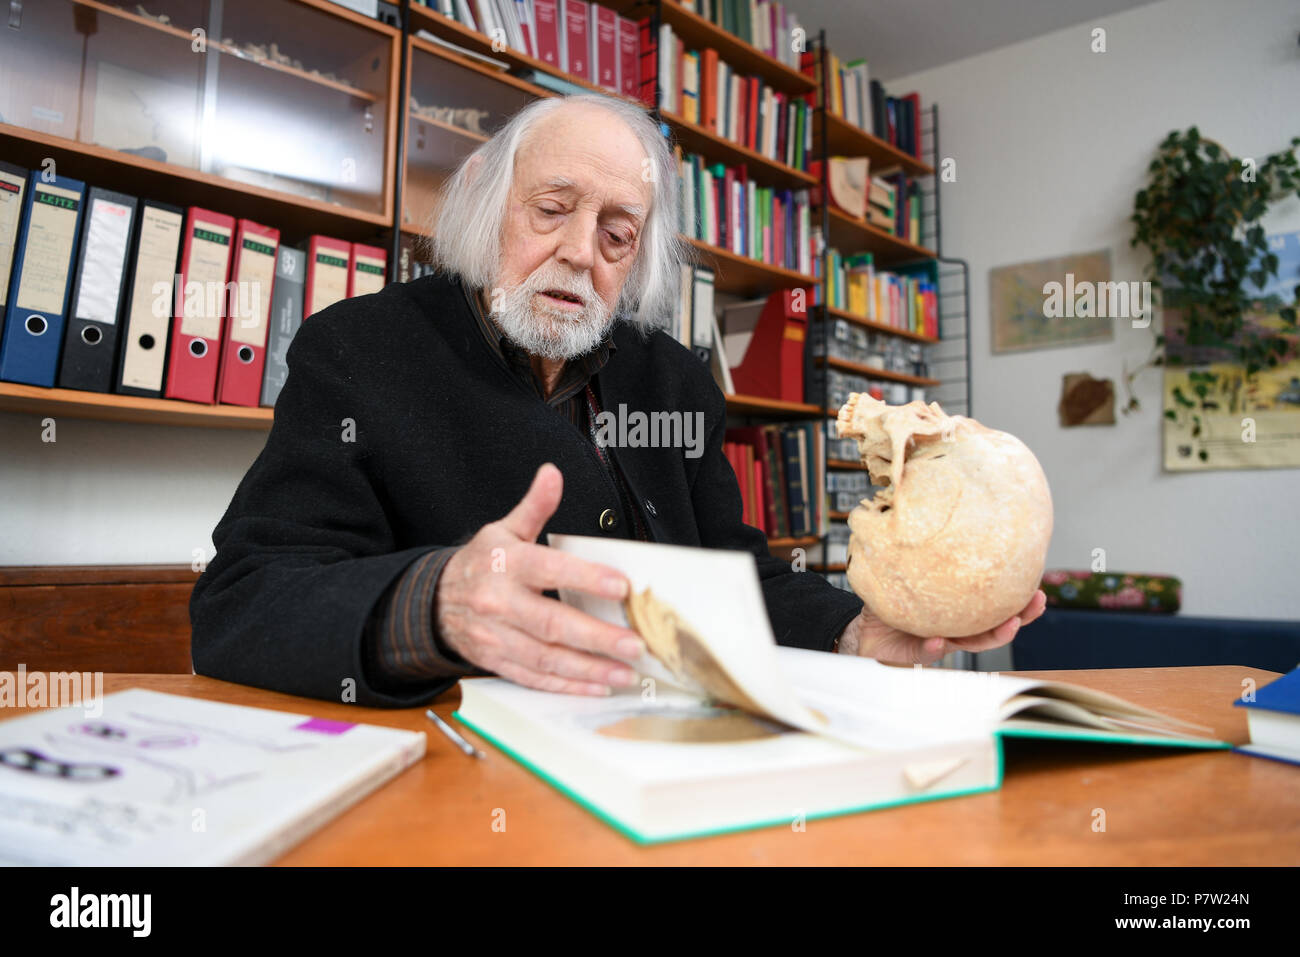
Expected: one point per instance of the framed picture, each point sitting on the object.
(1053, 302)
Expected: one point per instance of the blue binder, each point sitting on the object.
(42, 280)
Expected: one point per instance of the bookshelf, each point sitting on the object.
(836, 136)
(402, 153)
(108, 407)
(126, 101)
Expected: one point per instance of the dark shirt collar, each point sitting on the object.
(576, 373)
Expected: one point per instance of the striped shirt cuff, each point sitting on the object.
(400, 639)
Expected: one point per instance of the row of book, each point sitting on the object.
(766, 25)
(106, 292)
(779, 470)
(578, 37)
(894, 204)
(895, 299)
(862, 101)
(705, 90)
(722, 206)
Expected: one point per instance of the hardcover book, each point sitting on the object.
(734, 732)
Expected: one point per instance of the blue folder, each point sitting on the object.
(34, 318)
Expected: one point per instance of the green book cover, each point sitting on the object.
(627, 830)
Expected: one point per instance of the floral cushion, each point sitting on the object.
(1122, 591)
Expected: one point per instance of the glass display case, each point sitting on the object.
(453, 106)
(290, 96)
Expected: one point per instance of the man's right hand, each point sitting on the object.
(491, 611)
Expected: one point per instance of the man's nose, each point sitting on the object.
(578, 240)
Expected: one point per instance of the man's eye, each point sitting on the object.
(550, 211)
(618, 238)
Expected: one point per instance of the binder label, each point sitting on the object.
(47, 260)
(160, 239)
(102, 260)
(251, 299)
(205, 282)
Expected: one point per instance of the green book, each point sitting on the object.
(743, 734)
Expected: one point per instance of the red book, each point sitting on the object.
(709, 90)
(604, 46)
(548, 32)
(367, 269)
(327, 273)
(648, 52)
(629, 70)
(752, 103)
(729, 449)
(760, 495)
(773, 363)
(752, 512)
(195, 353)
(248, 314)
(778, 232)
(576, 16)
(756, 436)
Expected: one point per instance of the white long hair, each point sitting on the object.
(467, 222)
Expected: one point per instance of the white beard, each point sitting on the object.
(529, 323)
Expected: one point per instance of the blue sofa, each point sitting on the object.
(1069, 638)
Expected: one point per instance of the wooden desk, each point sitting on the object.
(1162, 806)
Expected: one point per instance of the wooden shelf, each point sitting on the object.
(446, 127)
(697, 139)
(483, 69)
(233, 51)
(878, 326)
(845, 465)
(755, 405)
(183, 186)
(696, 32)
(845, 139)
(128, 408)
(838, 516)
(872, 372)
(848, 234)
(833, 567)
(746, 277)
(799, 542)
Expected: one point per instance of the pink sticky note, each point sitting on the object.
(324, 726)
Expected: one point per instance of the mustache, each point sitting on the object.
(563, 285)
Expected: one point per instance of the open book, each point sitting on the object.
(814, 734)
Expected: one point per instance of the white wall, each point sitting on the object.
(114, 493)
(1051, 143)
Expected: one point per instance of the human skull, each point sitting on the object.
(956, 541)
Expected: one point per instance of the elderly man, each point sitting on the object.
(384, 542)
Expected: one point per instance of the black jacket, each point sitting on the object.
(397, 431)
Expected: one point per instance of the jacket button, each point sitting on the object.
(608, 520)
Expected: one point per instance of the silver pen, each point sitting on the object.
(451, 733)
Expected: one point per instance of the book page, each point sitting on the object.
(694, 581)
